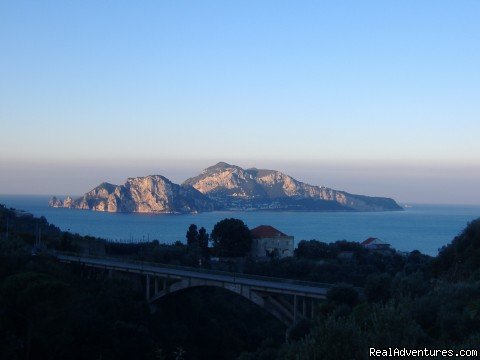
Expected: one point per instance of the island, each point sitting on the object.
(222, 187)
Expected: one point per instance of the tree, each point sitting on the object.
(198, 239)
(231, 238)
(202, 240)
(29, 301)
(459, 259)
(343, 294)
(192, 235)
(314, 249)
(377, 287)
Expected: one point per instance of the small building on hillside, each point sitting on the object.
(375, 244)
(270, 242)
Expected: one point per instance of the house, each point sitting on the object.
(270, 242)
(375, 244)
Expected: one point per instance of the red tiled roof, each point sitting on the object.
(266, 231)
(371, 240)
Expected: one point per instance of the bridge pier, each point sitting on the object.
(156, 286)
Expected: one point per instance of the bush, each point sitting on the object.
(377, 288)
(343, 294)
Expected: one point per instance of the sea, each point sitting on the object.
(420, 227)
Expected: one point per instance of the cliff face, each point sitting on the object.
(238, 188)
(150, 194)
(222, 186)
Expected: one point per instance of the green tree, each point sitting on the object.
(231, 238)
(314, 249)
(30, 302)
(202, 240)
(459, 259)
(343, 294)
(377, 287)
(192, 235)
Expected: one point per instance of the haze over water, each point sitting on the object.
(420, 227)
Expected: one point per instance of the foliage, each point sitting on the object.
(231, 238)
(378, 288)
(314, 249)
(343, 294)
(198, 239)
(459, 259)
(203, 239)
(192, 235)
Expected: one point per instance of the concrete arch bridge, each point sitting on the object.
(287, 300)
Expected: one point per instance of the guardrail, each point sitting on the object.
(197, 270)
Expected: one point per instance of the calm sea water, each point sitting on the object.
(423, 227)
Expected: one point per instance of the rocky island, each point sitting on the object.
(149, 194)
(222, 187)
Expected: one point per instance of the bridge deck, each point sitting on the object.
(283, 286)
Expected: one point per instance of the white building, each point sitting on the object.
(377, 245)
(270, 242)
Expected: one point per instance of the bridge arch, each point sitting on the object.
(288, 300)
(156, 302)
(286, 308)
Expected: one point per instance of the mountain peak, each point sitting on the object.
(237, 188)
(222, 164)
(159, 178)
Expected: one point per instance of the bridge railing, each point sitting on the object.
(196, 269)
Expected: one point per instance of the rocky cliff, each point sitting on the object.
(222, 186)
(238, 188)
(149, 194)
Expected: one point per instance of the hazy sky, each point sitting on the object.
(377, 97)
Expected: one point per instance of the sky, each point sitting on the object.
(372, 97)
